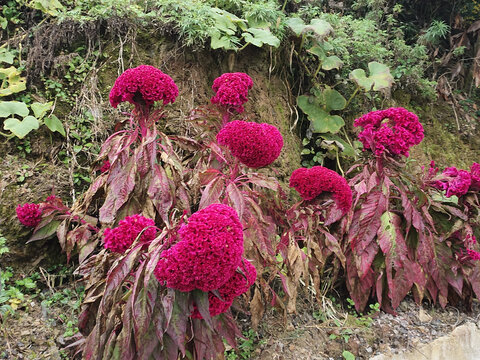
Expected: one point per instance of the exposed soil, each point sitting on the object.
(306, 338)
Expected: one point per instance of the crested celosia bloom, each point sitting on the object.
(122, 237)
(475, 176)
(255, 145)
(394, 130)
(29, 214)
(238, 284)
(232, 90)
(473, 255)
(143, 85)
(310, 183)
(208, 252)
(454, 181)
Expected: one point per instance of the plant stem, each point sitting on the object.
(352, 96)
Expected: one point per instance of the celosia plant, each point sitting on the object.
(122, 237)
(231, 91)
(310, 183)
(255, 145)
(142, 86)
(209, 251)
(394, 130)
(29, 214)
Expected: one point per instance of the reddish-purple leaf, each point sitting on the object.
(212, 192)
(160, 192)
(121, 186)
(236, 198)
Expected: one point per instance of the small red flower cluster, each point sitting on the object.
(105, 167)
(310, 183)
(255, 145)
(232, 90)
(394, 130)
(143, 85)
(208, 253)
(457, 181)
(238, 284)
(122, 237)
(29, 214)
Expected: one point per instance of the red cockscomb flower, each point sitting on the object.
(310, 183)
(29, 214)
(122, 237)
(232, 90)
(394, 130)
(255, 145)
(238, 284)
(143, 85)
(209, 251)
(454, 181)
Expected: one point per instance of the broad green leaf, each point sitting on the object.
(39, 109)
(347, 355)
(8, 108)
(16, 83)
(318, 51)
(321, 120)
(387, 234)
(320, 27)
(221, 42)
(21, 128)
(6, 56)
(360, 78)
(296, 25)
(333, 100)
(260, 37)
(227, 22)
(332, 62)
(50, 7)
(54, 124)
(380, 77)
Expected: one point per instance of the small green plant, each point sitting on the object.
(246, 346)
(347, 355)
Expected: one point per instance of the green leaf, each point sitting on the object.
(21, 128)
(8, 108)
(296, 25)
(333, 100)
(46, 231)
(320, 27)
(332, 62)
(49, 7)
(3, 22)
(260, 37)
(321, 120)
(347, 355)
(40, 109)
(380, 77)
(218, 41)
(6, 56)
(54, 124)
(318, 51)
(15, 82)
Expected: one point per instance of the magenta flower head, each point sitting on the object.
(142, 86)
(208, 253)
(454, 181)
(238, 284)
(310, 183)
(393, 130)
(29, 214)
(475, 175)
(255, 145)
(122, 237)
(232, 90)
